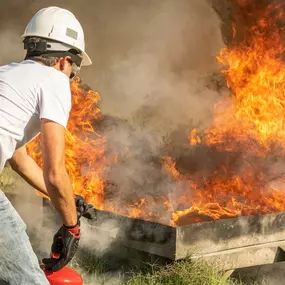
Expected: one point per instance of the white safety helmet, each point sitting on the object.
(61, 30)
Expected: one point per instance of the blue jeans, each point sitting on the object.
(18, 262)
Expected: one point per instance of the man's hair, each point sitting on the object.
(46, 60)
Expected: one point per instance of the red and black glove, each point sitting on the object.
(64, 247)
(84, 209)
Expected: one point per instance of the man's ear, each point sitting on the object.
(62, 62)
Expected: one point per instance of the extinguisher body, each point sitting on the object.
(65, 276)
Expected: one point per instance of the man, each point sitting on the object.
(35, 97)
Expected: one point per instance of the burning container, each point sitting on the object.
(236, 243)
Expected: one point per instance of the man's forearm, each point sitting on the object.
(59, 191)
(61, 194)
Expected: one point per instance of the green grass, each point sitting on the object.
(91, 268)
(88, 265)
(186, 272)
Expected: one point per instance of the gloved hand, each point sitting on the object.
(84, 209)
(64, 247)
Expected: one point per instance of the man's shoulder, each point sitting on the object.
(55, 79)
(31, 65)
(29, 76)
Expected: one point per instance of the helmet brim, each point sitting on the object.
(86, 59)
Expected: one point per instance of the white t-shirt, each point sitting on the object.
(29, 91)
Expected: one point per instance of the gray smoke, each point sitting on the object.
(157, 80)
(155, 53)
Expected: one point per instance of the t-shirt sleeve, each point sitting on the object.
(55, 100)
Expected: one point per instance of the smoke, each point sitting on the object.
(158, 81)
(157, 86)
(107, 232)
(151, 55)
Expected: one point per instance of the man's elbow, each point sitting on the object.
(18, 165)
(19, 159)
(54, 176)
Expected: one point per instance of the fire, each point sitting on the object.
(225, 194)
(194, 138)
(85, 148)
(250, 123)
(87, 156)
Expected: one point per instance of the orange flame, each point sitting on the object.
(85, 148)
(251, 122)
(193, 137)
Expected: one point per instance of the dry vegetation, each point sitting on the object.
(7, 179)
(186, 272)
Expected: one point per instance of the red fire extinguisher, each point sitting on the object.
(65, 276)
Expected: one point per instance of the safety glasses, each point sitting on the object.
(75, 69)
